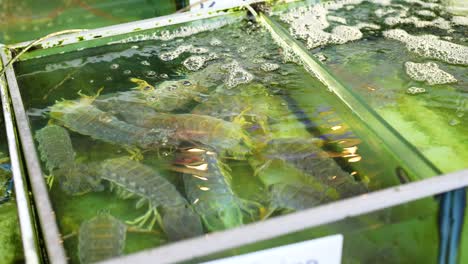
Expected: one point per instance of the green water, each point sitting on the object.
(373, 67)
(291, 104)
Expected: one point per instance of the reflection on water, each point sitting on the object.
(174, 145)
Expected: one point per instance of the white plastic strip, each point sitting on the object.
(283, 225)
(324, 250)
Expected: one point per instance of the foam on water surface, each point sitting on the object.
(428, 72)
(427, 13)
(237, 75)
(268, 67)
(367, 25)
(181, 32)
(460, 20)
(312, 23)
(429, 46)
(425, 4)
(337, 19)
(196, 62)
(438, 22)
(415, 90)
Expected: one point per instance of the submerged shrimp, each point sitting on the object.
(100, 238)
(306, 155)
(83, 117)
(208, 188)
(56, 150)
(165, 204)
(222, 136)
(170, 95)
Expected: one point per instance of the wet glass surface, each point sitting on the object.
(406, 59)
(146, 143)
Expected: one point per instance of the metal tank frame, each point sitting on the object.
(215, 242)
(26, 219)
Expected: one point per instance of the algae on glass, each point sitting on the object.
(200, 128)
(407, 59)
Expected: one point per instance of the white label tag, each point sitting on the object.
(324, 250)
(216, 4)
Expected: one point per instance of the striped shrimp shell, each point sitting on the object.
(212, 196)
(55, 147)
(305, 155)
(100, 238)
(88, 120)
(293, 197)
(146, 183)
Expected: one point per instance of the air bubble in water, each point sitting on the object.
(150, 73)
(242, 49)
(237, 75)
(172, 55)
(268, 67)
(164, 76)
(196, 62)
(415, 90)
(114, 66)
(454, 122)
(215, 42)
(199, 50)
(145, 63)
(127, 72)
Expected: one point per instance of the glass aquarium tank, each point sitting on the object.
(199, 128)
(156, 133)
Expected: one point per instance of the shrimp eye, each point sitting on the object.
(187, 83)
(172, 87)
(147, 88)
